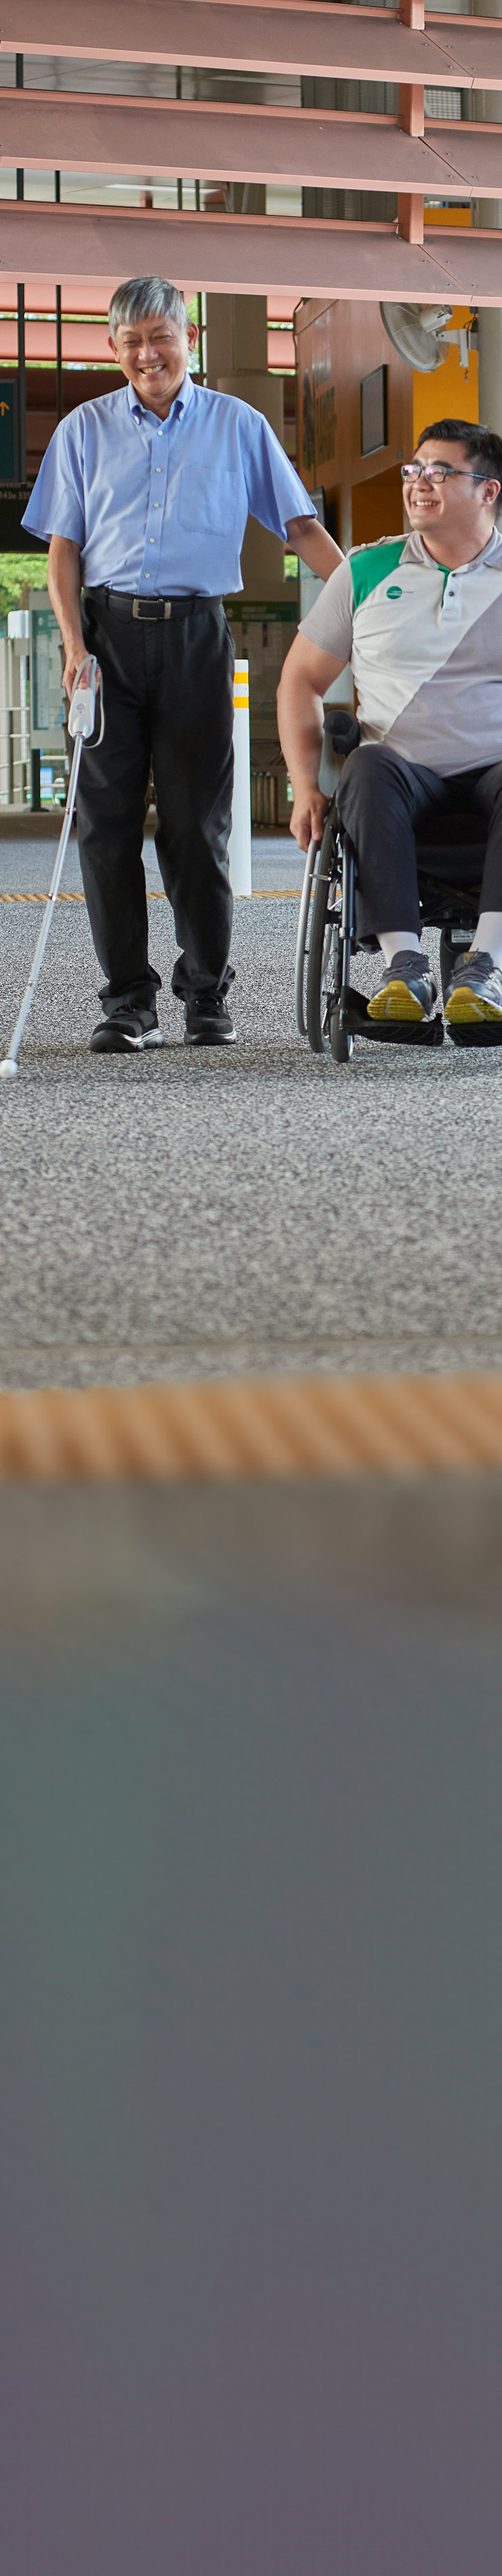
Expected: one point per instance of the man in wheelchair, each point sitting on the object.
(419, 618)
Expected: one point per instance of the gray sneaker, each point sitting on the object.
(126, 1032)
(406, 990)
(208, 1022)
(474, 991)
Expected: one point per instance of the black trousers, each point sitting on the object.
(381, 801)
(168, 699)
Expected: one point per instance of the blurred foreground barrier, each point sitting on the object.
(268, 1427)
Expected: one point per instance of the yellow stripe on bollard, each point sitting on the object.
(239, 848)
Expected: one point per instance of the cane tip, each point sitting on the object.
(7, 1067)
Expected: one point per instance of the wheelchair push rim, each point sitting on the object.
(323, 954)
(301, 942)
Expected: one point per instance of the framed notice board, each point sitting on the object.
(374, 411)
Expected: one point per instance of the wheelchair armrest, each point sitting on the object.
(342, 728)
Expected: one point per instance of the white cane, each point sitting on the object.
(81, 725)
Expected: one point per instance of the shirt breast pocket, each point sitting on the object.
(208, 502)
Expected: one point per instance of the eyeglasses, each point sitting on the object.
(437, 473)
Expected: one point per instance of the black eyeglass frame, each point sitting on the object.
(438, 473)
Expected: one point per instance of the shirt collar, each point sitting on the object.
(140, 412)
(418, 552)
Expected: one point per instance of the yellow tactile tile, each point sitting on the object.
(256, 1426)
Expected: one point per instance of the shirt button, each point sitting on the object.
(156, 507)
(151, 541)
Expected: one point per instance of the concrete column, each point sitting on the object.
(487, 106)
(236, 335)
(490, 367)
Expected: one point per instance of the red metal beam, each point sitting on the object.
(41, 129)
(247, 35)
(250, 254)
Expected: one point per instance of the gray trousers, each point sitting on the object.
(382, 800)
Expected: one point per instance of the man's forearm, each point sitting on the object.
(64, 582)
(300, 722)
(314, 546)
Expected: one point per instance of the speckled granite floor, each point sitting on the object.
(245, 1210)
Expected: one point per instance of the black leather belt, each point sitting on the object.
(120, 603)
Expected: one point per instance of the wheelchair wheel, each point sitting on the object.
(342, 1046)
(323, 945)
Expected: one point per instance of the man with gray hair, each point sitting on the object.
(144, 495)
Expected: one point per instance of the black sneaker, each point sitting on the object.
(406, 990)
(474, 991)
(208, 1023)
(127, 1032)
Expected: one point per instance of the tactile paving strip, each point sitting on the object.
(156, 894)
(267, 1427)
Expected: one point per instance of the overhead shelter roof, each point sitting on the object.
(320, 148)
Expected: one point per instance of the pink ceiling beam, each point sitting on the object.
(206, 140)
(246, 35)
(251, 254)
(84, 343)
(81, 294)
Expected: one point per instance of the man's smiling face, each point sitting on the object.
(154, 354)
(456, 516)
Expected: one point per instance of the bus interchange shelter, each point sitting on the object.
(318, 144)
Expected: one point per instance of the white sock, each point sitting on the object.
(489, 935)
(392, 942)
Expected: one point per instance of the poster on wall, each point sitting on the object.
(316, 402)
(324, 395)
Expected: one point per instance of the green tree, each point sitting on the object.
(18, 575)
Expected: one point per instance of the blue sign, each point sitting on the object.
(9, 444)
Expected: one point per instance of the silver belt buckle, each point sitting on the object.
(146, 608)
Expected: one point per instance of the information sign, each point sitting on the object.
(47, 711)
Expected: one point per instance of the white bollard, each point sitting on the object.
(239, 847)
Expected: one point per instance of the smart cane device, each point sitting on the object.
(85, 712)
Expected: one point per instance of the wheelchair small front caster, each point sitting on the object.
(341, 1043)
(451, 953)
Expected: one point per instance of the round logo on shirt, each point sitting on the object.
(394, 592)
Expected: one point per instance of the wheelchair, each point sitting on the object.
(450, 853)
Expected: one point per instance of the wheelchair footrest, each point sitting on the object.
(391, 1032)
(478, 1033)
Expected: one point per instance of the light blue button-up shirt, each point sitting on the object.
(161, 505)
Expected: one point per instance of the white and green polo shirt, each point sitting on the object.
(425, 647)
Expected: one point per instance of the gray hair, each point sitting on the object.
(146, 295)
